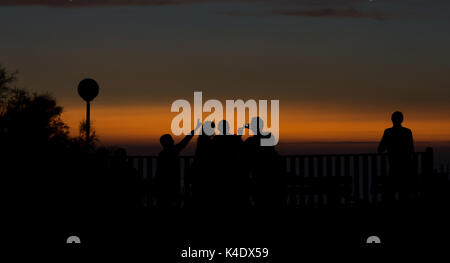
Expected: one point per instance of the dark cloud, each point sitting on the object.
(332, 13)
(95, 3)
(87, 3)
(300, 8)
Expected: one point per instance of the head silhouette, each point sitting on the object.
(166, 140)
(224, 127)
(208, 128)
(255, 123)
(397, 118)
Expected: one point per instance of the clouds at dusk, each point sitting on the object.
(338, 9)
(328, 12)
(358, 9)
(332, 13)
(328, 62)
(97, 3)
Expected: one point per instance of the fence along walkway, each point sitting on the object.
(317, 179)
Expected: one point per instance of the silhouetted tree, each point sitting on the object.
(32, 118)
(47, 169)
(6, 81)
(28, 117)
(81, 139)
(34, 142)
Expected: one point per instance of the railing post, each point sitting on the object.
(365, 178)
(301, 166)
(293, 165)
(428, 162)
(140, 167)
(373, 189)
(356, 175)
(149, 188)
(383, 165)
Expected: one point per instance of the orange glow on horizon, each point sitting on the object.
(145, 124)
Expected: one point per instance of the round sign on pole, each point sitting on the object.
(88, 89)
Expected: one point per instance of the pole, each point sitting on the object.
(88, 121)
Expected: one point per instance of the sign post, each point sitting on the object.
(88, 89)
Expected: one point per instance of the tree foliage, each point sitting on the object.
(28, 118)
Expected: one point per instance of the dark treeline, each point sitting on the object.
(43, 167)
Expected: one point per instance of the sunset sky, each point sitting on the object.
(339, 68)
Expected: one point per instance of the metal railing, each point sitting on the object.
(316, 179)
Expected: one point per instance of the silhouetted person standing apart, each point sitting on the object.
(398, 142)
(168, 169)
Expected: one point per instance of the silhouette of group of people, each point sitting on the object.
(55, 170)
(227, 171)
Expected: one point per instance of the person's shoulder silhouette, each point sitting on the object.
(397, 139)
(398, 142)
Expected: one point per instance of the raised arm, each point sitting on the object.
(183, 143)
